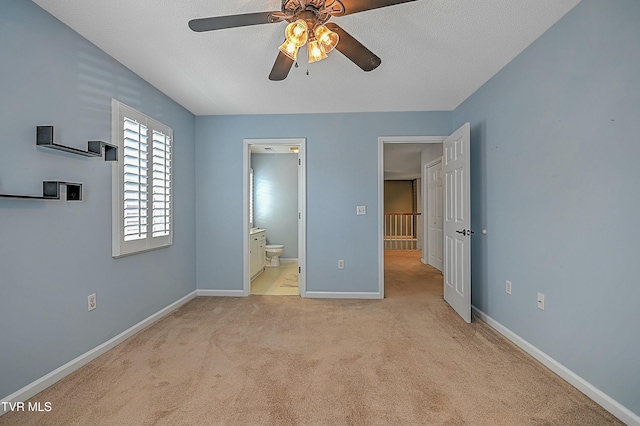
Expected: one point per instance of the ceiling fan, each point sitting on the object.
(308, 24)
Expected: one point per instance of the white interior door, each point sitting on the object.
(457, 222)
(434, 215)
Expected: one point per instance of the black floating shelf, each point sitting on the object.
(44, 137)
(51, 191)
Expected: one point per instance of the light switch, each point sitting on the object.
(361, 210)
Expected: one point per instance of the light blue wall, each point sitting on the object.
(276, 199)
(555, 176)
(53, 254)
(342, 173)
(554, 180)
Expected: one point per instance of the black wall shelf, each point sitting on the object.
(51, 191)
(44, 137)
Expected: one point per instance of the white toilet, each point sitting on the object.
(273, 252)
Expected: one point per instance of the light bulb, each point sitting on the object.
(298, 30)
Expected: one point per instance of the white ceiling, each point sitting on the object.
(435, 53)
(403, 161)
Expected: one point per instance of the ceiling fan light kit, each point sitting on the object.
(307, 19)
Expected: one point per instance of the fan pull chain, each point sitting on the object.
(295, 64)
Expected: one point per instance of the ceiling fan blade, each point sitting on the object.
(355, 6)
(281, 67)
(354, 50)
(232, 21)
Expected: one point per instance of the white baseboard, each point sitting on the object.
(342, 295)
(288, 259)
(221, 293)
(604, 400)
(59, 373)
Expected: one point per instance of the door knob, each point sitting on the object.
(463, 232)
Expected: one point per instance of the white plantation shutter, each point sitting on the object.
(135, 180)
(142, 183)
(161, 184)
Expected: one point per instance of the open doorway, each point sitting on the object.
(403, 159)
(274, 212)
(456, 159)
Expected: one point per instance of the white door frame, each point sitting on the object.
(302, 205)
(381, 141)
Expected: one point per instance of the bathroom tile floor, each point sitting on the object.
(280, 281)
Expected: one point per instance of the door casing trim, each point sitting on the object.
(302, 203)
(381, 141)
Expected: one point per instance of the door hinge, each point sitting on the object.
(299, 215)
(299, 269)
(299, 162)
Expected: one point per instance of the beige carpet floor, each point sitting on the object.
(267, 360)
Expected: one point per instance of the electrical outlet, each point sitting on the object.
(92, 302)
(340, 264)
(508, 287)
(541, 301)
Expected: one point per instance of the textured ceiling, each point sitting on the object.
(435, 53)
(403, 161)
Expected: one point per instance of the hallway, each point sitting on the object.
(406, 276)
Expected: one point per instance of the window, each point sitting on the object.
(141, 183)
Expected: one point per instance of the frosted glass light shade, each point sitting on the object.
(289, 49)
(316, 52)
(327, 38)
(296, 32)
